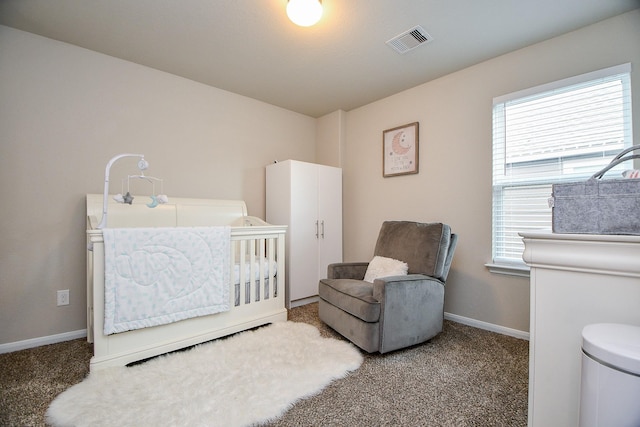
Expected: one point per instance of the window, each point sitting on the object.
(560, 132)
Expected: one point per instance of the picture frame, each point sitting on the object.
(400, 150)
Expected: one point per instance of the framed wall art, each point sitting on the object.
(400, 150)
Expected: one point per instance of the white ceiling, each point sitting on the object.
(249, 47)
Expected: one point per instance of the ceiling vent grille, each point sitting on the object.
(410, 39)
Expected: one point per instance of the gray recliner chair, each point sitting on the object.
(397, 311)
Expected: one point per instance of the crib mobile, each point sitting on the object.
(155, 199)
(128, 198)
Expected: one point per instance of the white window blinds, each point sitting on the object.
(563, 131)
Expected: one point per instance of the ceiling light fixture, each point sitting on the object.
(304, 13)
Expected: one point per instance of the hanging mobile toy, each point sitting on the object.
(128, 198)
(153, 203)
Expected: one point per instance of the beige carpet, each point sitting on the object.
(463, 377)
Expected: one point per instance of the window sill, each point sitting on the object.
(520, 270)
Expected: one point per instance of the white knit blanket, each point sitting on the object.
(155, 276)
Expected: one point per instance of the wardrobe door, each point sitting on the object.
(303, 228)
(330, 219)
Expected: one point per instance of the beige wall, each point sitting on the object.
(454, 183)
(330, 139)
(64, 112)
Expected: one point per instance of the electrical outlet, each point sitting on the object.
(63, 297)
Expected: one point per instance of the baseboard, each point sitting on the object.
(82, 333)
(37, 342)
(487, 326)
(303, 301)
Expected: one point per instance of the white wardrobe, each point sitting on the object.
(308, 198)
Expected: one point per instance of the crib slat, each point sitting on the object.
(262, 270)
(253, 292)
(241, 269)
(270, 262)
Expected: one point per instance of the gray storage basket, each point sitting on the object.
(598, 206)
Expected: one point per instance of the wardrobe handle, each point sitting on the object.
(323, 229)
(317, 229)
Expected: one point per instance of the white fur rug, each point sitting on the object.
(248, 378)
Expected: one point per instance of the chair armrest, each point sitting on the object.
(411, 309)
(347, 270)
(392, 286)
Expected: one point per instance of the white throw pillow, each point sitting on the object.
(384, 267)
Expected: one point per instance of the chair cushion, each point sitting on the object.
(353, 296)
(365, 335)
(423, 246)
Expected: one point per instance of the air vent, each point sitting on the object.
(410, 39)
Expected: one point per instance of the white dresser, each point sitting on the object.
(576, 280)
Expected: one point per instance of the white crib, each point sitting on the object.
(254, 244)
